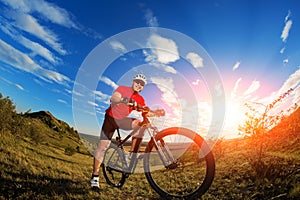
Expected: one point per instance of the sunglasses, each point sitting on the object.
(142, 83)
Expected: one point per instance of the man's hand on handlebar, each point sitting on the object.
(128, 101)
(124, 100)
(144, 109)
(159, 112)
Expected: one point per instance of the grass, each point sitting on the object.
(44, 171)
(34, 165)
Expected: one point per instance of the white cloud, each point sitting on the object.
(19, 60)
(170, 69)
(29, 15)
(118, 46)
(252, 88)
(101, 97)
(62, 101)
(108, 82)
(26, 22)
(36, 48)
(163, 50)
(19, 87)
(195, 59)
(48, 10)
(197, 82)
(166, 85)
(235, 89)
(22, 17)
(236, 65)
(286, 30)
(287, 27)
(291, 82)
(218, 89)
(150, 19)
(13, 84)
(6, 81)
(152, 59)
(169, 97)
(51, 75)
(288, 16)
(297, 95)
(39, 50)
(93, 103)
(74, 93)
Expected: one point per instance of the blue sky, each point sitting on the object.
(46, 45)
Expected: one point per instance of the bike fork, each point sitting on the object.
(165, 154)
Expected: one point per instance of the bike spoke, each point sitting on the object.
(189, 170)
(184, 179)
(113, 167)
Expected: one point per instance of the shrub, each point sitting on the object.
(7, 113)
(70, 151)
(35, 135)
(256, 128)
(10, 121)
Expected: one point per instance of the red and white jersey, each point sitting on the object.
(121, 110)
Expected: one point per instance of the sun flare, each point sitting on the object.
(235, 116)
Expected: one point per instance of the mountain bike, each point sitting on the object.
(177, 161)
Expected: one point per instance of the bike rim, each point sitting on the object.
(113, 168)
(195, 170)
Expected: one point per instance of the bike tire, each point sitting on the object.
(113, 167)
(196, 169)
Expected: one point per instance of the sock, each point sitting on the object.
(93, 175)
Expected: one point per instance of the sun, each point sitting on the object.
(235, 116)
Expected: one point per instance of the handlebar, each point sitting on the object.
(144, 109)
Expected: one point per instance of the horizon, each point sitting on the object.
(206, 58)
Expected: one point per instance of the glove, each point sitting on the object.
(160, 112)
(125, 100)
(132, 103)
(146, 109)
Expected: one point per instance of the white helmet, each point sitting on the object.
(141, 77)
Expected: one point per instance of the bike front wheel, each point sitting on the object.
(191, 166)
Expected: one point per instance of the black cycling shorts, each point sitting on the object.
(110, 125)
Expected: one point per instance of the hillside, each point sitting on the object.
(246, 171)
(42, 157)
(53, 123)
(286, 134)
(39, 154)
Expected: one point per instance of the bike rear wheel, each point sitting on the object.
(113, 166)
(192, 172)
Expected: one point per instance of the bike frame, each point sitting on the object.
(164, 152)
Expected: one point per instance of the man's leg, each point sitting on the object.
(137, 137)
(99, 154)
(98, 158)
(135, 144)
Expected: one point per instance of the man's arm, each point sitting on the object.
(116, 98)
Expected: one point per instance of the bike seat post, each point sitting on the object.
(118, 133)
(118, 138)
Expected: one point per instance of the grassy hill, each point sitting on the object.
(42, 157)
(39, 155)
(242, 174)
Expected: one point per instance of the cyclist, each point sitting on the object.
(123, 100)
